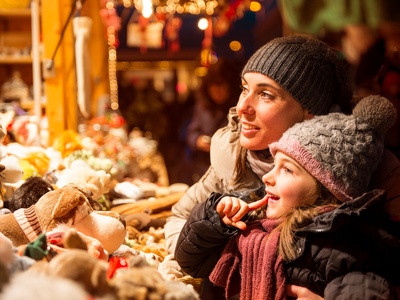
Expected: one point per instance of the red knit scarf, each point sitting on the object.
(250, 264)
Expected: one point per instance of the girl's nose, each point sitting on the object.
(268, 178)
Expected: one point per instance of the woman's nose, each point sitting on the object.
(245, 105)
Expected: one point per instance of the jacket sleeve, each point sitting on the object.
(180, 211)
(357, 285)
(216, 179)
(202, 239)
(387, 178)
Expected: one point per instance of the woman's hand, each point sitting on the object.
(231, 210)
(301, 293)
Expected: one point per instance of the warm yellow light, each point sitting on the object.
(147, 10)
(235, 46)
(200, 71)
(110, 5)
(255, 6)
(203, 24)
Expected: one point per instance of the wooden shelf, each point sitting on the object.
(15, 12)
(15, 60)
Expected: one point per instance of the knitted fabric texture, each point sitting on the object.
(310, 70)
(28, 221)
(250, 264)
(341, 151)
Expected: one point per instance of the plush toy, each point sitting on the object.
(79, 266)
(28, 193)
(10, 262)
(68, 205)
(63, 238)
(30, 285)
(12, 170)
(142, 281)
(97, 182)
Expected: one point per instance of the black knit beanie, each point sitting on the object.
(309, 69)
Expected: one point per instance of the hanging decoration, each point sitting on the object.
(207, 55)
(172, 27)
(112, 23)
(144, 32)
(81, 27)
(227, 16)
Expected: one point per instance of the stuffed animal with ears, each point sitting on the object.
(30, 191)
(96, 181)
(68, 205)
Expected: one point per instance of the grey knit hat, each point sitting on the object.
(341, 151)
(310, 70)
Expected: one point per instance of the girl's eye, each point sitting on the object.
(287, 170)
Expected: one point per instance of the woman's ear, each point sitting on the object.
(308, 115)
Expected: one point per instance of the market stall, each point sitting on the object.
(75, 172)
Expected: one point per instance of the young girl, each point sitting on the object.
(314, 228)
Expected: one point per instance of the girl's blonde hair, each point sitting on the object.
(301, 216)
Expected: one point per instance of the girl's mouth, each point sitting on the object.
(272, 197)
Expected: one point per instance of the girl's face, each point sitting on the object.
(288, 185)
(266, 111)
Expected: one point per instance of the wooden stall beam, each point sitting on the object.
(60, 83)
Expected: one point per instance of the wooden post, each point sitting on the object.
(62, 108)
(60, 87)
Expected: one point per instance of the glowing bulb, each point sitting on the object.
(255, 6)
(235, 45)
(147, 10)
(203, 24)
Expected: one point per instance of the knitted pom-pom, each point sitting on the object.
(377, 111)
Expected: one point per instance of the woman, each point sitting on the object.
(288, 80)
(314, 228)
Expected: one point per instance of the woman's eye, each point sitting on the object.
(244, 89)
(266, 95)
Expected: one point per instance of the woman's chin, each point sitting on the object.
(252, 143)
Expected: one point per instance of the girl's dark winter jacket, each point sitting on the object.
(352, 252)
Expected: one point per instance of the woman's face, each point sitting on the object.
(288, 185)
(266, 111)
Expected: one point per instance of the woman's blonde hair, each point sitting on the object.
(240, 164)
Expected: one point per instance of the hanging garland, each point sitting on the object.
(112, 23)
